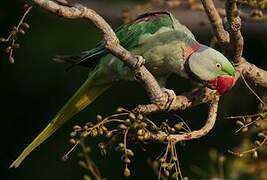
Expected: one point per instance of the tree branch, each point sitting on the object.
(216, 22)
(181, 102)
(212, 115)
(236, 38)
(163, 137)
(253, 73)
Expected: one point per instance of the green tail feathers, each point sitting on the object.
(82, 98)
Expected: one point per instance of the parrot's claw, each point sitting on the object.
(162, 103)
(140, 61)
(171, 97)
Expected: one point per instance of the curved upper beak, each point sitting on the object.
(222, 84)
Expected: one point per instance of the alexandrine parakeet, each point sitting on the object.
(167, 47)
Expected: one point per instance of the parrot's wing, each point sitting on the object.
(94, 55)
(129, 36)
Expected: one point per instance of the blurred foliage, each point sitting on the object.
(259, 4)
(257, 7)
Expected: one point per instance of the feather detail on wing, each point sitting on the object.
(128, 34)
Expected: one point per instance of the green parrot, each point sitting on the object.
(167, 47)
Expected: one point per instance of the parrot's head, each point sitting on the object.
(212, 68)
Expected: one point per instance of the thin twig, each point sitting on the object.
(255, 94)
(90, 164)
(11, 40)
(250, 150)
(66, 155)
(244, 116)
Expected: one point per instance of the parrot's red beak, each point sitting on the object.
(222, 84)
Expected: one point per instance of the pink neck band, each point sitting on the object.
(190, 50)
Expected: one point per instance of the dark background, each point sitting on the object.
(34, 88)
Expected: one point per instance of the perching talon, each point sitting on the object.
(140, 61)
(171, 97)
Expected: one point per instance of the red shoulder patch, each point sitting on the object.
(190, 50)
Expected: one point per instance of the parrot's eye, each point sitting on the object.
(218, 65)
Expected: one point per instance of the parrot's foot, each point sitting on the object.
(171, 98)
(140, 61)
(163, 103)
